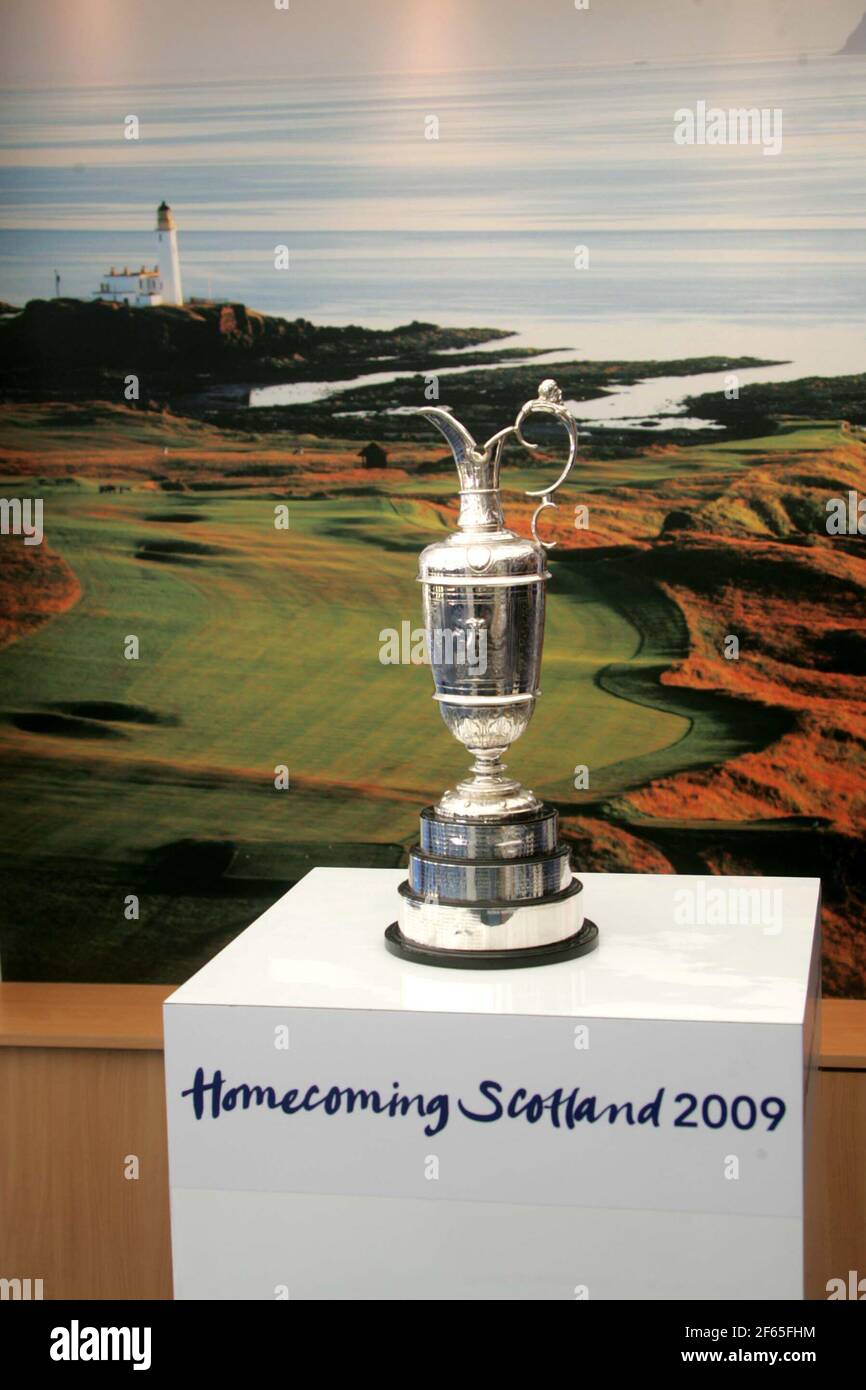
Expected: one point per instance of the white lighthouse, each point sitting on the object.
(169, 260)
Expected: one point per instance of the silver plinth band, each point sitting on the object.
(459, 927)
(498, 885)
(519, 838)
(437, 879)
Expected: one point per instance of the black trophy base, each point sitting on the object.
(580, 944)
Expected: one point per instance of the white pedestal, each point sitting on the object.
(633, 1124)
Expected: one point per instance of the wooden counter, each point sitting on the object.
(83, 1162)
(83, 1168)
(111, 1016)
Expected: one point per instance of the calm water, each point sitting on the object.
(691, 250)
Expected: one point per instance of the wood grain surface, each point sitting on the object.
(82, 1099)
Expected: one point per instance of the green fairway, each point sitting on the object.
(260, 647)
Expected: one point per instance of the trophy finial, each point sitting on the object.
(549, 391)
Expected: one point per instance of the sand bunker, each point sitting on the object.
(61, 725)
(176, 552)
(113, 710)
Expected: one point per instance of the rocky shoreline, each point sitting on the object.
(64, 346)
(203, 360)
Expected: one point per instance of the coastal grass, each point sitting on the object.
(260, 648)
(263, 648)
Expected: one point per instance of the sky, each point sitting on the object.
(123, 42)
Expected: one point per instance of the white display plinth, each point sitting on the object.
(632, 1124)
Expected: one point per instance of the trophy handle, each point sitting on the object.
(547, 402)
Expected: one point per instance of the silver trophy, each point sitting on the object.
(489, 884)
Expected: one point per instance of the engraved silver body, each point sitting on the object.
(486, 590)
(489, 874)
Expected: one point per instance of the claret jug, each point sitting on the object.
(489, 883)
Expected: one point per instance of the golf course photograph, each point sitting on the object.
(214, 334)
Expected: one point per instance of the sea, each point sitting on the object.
(556, 204)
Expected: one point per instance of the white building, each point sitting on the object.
(139, 287)
(146, 287)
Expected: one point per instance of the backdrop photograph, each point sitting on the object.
(240, 242)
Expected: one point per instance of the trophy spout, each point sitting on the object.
(477, 469)
(478, 465)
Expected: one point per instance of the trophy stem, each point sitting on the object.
(488, 773)
(488, 763)
(488, 794)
